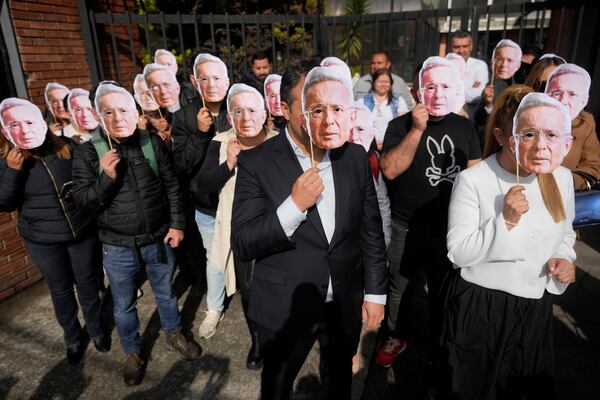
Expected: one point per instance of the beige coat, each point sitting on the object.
(221, 256)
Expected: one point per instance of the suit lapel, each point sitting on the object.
(290, 169)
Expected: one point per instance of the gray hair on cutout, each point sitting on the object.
(76, 93)
(238, 88)
(163, 52)
(325, 74)
(12, 102)
(436, 62)
(153, 67)
(270, 79)
(52, 86)
(108, 88)
(535, 99)
(507, 43)
(204, 58)
(565, 69)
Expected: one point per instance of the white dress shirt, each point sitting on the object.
(477, 71)
(290, 217)
(490, 255)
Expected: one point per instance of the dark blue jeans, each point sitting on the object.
(123, 273)
(63, 265)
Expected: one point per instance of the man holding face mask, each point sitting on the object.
(140, 219)
(422, 153)
(306, 210)
(570, 85)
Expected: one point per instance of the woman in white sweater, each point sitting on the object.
(510, 238)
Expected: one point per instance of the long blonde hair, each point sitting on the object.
(505, 109)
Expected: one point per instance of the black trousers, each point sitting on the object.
(284, 356)
(495, 345)
(64, 265)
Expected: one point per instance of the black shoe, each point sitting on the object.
(102, 344)
(133, 373)
(254, 360)
(75, 353)
(189, 349)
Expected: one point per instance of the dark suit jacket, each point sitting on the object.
(291, 276)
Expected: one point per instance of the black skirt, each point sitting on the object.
(494, 345)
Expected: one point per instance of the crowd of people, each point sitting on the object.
(323, 200)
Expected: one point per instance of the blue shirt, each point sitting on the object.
(290, 217)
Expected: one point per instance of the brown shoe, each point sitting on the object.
(133, 373)
(187, 348)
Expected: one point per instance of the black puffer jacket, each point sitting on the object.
(34, 192)
(139, 207)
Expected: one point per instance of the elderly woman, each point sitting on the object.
(55, 95)
(247, 116)
(85, 121)
(510, 238)
(61, 240)
(570, 84)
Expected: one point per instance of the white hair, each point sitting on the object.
(76, 93)
(238, 88)
(139, 78)
(335, 62)
(110, 88)
(53, 86)
(456, 57)
(270, 79)
(552, 55)
(565, 69)
(12, 102)
(507, 43)
(324, 74)
(153, 67)
(204, 58)
(542, 100)
(163, 52)
(435, 62)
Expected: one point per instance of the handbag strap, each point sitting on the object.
(591, 181)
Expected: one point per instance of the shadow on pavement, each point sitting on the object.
(63, 381)
(5, 385)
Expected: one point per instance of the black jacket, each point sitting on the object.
(139, 207)
(34, 192)
(190, 145)
(291, 275)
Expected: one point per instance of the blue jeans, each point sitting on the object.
(215, 279)
(63, 265)
(123, 272)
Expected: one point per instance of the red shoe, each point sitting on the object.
(390, 350)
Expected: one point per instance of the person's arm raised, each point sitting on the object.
(397, 160)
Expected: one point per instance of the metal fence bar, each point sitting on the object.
(449, 30)
(114, 46)
(196, 34)
(376, 37)
(164, 29)
(578, 32)
(96, 45)
(333, 42)
(130, 36)
(487, 33)
(229, 61)
(521, 24)
(390, 37)
(287, 42)
(560, 26)
(303, 36)
(182, 45)
(273, 49)
(258, 29)
(147, 33)
(360, 52)
(542, 27)
(505, 21)
(212, 34)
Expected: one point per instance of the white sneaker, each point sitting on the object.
(208, 327)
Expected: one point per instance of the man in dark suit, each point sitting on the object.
(315, 234)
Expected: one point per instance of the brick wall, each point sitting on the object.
(50, 44)
(16, 269)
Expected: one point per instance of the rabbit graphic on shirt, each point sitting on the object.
(440, 154)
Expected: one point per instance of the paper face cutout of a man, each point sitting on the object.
(81, 109)
(272, 95)
(506, 59)
(22, 123)
(210, 78)
(116, 108)
(541, 133)
(246, 110)
(55, 94)
(328, 107)
(143, 95)
(440, 88)
(570, 85)
(163, 84)
(363, 131)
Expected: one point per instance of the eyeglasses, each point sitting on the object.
(204, 80)
(111, 114)
(338, 111)
(502, 60)
(162, 87)
(559, 94)
(551, 137)
(251, 112)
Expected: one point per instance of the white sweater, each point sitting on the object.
(490, 255)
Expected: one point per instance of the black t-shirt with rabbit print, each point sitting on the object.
(420, 196)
